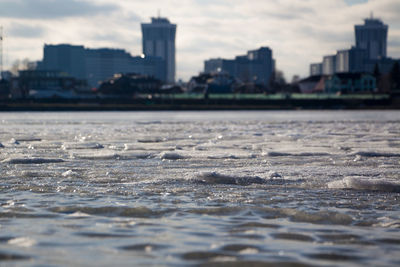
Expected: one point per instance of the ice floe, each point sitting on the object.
(365, 183)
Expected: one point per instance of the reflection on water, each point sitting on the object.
(194, 188)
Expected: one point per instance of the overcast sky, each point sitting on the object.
(298, 31)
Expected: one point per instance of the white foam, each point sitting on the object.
(69, 173)
(22, 242)
(364, 183)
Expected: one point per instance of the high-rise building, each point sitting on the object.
(159, 41)
(372, 36)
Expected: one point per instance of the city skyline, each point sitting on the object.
(206, 29)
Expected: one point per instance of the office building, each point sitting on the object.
(372, 37)
(369, 51)
(255, 67)
(159, 41)
(66, 58)
(98, 65)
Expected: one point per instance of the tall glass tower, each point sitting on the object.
(159, 41)
(372, 36)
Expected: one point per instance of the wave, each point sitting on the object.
(112, 211)
(372, 154)
(110, 155)
(172, 156)
(364, 183)
(303, 154)
(31, 160)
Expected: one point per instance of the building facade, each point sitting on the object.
(315, 69)
(369, 51)
(372, 37)
(255, 67)
(98, 65)
(350, 83)
(329, 65)
(159, 41)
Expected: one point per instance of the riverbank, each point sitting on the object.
(210, 102)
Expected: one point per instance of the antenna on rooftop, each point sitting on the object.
(372, 15)
(159, 13)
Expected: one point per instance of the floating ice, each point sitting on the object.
(364, 183)
(22, 242)
(217, 178)
(67, 146)
(103, 155)
(13, 141)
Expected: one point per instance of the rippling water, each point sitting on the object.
(200, 188)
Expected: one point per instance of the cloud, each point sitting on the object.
(51, 9)
(25, 31)
(299, 32)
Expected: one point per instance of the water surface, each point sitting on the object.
(200, 188)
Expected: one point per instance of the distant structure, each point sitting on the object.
(315, 69)
(97, 65)
(159, 41)
(372, 37)
(1, 52)
(255, 67)
(329, 65)
(368, 53)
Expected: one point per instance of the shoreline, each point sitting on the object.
(213, 102)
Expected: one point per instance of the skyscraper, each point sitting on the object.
(159, 41)
(372, 36)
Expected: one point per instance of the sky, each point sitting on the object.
(299, 32)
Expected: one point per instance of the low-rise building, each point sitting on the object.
(315, 69)
(350, 83)
(43, 84)
(98, 65)
(255, 67)
(129, 85)
(312, 84)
